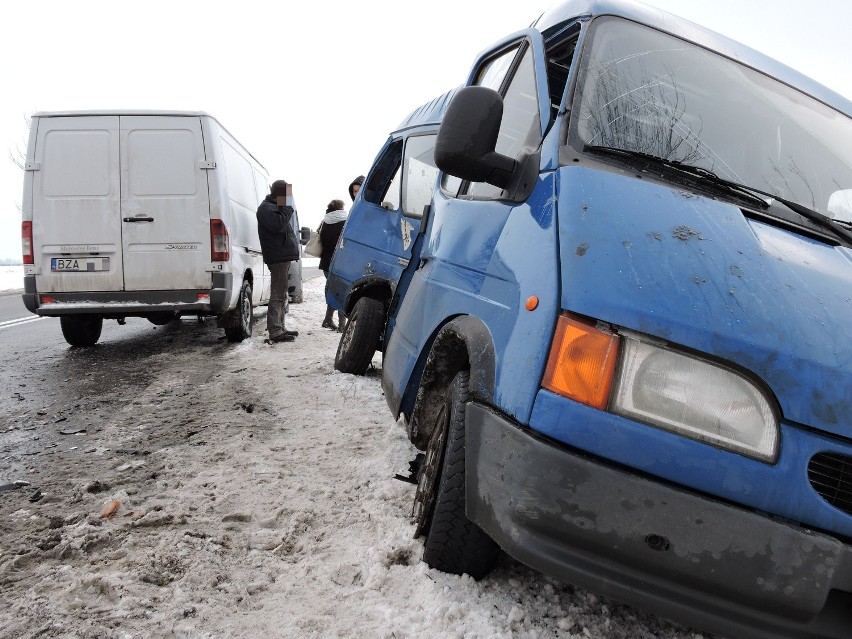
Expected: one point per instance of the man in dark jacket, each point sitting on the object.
(279, 246)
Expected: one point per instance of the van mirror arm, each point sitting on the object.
(495, 168)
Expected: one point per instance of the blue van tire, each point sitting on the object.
(453, 543)
(240, 321)
(81, 330)
(360, 337)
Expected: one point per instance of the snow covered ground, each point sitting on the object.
(11, 278)
(253, 496)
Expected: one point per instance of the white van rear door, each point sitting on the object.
(165, 206)
(76, 210)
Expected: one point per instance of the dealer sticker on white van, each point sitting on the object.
(79, 264)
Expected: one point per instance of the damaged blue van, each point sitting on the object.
(611, 281)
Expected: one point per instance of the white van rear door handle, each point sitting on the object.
(139, 219)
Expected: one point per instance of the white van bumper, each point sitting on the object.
(116, 304)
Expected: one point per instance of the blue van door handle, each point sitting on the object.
(139, 219)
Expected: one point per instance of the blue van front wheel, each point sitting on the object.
(453, 543)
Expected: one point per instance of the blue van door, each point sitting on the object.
(487, 249)
(379, 236)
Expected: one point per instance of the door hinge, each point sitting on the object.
(206, 164)
(32, 166)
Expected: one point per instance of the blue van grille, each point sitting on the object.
(831, 476)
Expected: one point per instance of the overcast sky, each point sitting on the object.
(312, 89)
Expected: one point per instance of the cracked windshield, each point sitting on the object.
(651, 93)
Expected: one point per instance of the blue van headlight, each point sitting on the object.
(695, 398)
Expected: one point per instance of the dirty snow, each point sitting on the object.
(255, 498)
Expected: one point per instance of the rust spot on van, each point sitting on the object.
(581, 250)
(684, 233)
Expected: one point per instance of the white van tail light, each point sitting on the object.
(220, 243)
(27, 242)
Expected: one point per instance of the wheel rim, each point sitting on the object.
(427, 482)
(346, 340)
(246, 312)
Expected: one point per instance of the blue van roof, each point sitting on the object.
(664, 21)
(429, 113)
(564, 12)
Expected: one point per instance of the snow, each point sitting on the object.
(11, 278)
(263, 505)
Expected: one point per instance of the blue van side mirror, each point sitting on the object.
(468, 136)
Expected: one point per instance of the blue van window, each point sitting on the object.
(646, 91)
(494, 72)
(382, 186)
(420, 174)
(391, 199)
(560, 56)
(520, 119)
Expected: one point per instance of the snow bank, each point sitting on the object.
(11, 278)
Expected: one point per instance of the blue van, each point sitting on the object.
(611, 282)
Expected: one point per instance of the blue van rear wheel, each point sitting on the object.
(360, 338)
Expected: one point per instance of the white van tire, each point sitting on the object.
(360, 338)
(81, 330)
(240, 321)
(161, 319)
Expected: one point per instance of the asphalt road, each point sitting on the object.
(41, 375)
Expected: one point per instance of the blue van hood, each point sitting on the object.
(695, 271)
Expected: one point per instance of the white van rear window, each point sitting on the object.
(76, 163)
(161, 162)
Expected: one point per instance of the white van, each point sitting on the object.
(142, 214)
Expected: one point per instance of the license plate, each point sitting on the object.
(79, 264)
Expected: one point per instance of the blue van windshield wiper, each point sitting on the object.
(686, 169)
(749, 192)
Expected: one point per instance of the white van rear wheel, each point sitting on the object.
(240, 321)
(81, 330)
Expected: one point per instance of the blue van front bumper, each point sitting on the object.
(683, 555)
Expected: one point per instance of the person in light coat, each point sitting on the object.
(330, 230)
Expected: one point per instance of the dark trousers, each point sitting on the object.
(278, 298)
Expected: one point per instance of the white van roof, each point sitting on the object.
(129, 112)
(59, 114)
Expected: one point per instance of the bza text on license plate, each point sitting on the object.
(79, 264)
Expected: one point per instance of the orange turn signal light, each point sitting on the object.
(582, 360)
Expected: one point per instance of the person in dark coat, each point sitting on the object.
(355, 186)
(279, 246)
(330, 230)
